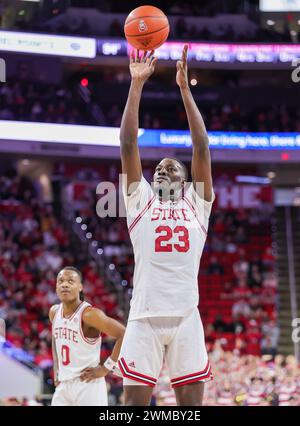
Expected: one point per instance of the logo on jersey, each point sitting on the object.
(66, 334)
(142, 26)
(132, 364)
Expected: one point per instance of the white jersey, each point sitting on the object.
(168, 239)
(74, 351)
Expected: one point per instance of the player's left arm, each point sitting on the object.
(52, 313)
(95, 318)
(201, 161)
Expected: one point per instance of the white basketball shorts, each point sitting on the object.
(78, 393)
(177, 340)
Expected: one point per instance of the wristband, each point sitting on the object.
(109, 364)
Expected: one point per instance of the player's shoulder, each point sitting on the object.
(90, 312)
(52, 311)
(195, 199)
(137, 188)
(195, 191)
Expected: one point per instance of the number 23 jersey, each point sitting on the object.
(168, 240)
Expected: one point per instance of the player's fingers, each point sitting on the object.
(150, 57)
(87, 378)
(184, 54)
(153, 62)
(179, 66)
(137, 55)
(85, 374)
(131, 56)
(144, 57)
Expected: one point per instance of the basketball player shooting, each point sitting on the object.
(167, 223)
(76, 345)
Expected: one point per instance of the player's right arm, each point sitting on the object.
(52, 313)
(140, 69)
(201, 161)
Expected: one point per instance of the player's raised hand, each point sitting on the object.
(89, 374)
(142, 67)
(182, 69)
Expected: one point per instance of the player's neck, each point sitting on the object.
(70, 308)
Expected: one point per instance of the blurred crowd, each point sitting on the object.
(244, 380)
(228, 117)
(239, 289)
(171, 7)
(183, 29)
(226, 33)
(25, 101)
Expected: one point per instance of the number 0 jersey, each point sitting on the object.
(74, 351)
(168, 239)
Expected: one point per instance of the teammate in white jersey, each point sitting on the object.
(167, 224)
(76, 344)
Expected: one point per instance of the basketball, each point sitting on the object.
(146, 28)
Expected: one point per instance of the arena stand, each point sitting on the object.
(28, 100)
(209, 21)
(244, 380)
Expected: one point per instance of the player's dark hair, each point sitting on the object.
(72, 268)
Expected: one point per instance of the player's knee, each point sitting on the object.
(137, 395)
(191, 394)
